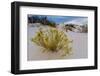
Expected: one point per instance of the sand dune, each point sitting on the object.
(79, 50)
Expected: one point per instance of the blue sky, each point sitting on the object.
(66, 19)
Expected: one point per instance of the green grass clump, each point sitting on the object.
(53, 40)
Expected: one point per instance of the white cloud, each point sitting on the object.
(79, 21)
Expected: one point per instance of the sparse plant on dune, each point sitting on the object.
(53, 40)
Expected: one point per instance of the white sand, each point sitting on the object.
(80, 48)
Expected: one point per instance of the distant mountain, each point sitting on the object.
(40, 19)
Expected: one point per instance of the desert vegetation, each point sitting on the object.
(53, 40)
(79, 28)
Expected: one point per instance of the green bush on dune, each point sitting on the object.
(53, 40)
